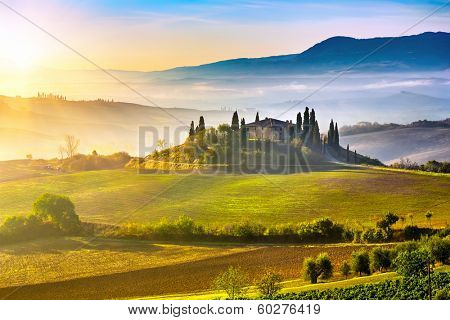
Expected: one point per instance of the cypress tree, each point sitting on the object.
(305, 133)
(348, 153)
(331, 134)
(243, 132)
(192, 129)
(356, 159)
(312, 119)
(235, 121)
(201, 124)
(312, 125)
(317, 142)
(257, 117)
(336, 136)
(299, 124)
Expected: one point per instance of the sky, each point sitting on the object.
(158, 35)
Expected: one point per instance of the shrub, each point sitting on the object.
(414, 232)
(381, 259)
(361, 262)
(346, 269)
(247, 230)
(320, 229)
(442, 294)
(412, 263)
(388, 220)
(53, 215)
(375, 235)
(269, 285)
(59, 210)
(320, 267)
(233, 281)
(439, 249)
(405, 246)
(444, 232)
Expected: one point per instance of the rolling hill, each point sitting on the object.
(355, 196)
(415, 142)
(37, 126)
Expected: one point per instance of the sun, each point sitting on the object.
(22, 56)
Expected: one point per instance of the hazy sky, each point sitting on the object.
(156, 35)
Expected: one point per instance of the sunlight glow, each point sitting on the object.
(22, 56)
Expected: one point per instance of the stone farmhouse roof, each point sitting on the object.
(268, 123)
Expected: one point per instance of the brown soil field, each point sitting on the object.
(186, 277)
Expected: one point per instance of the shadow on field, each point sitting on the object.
(264, 169)
(73, 244)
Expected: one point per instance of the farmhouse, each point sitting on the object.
(269, 129)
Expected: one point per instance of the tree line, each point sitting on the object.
(411, 260)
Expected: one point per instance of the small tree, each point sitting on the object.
(387, 221)
(235, 121)
(61, 151)
(439, 249)
(381, 259)
(361, 262)
(320, 267)
(201, 124)
(71, 147)
(412, 263)
(269, 285)
(233, 281)
(298, 125)
(192, 129)
(59, 210)
(346, 269)
(429, 215)
(160, 144)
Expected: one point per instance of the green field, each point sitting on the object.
(355, 196)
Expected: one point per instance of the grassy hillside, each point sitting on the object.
(80, 268)
(353, 196)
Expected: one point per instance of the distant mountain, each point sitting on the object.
(425, 52)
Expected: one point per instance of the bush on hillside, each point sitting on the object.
(270, 284)
(361, 262)
(81, 162)
(381, 259)
(233, 281)
(53, 215)
(375, 235)
(321, 267)
(58, 210)
(412, 263)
